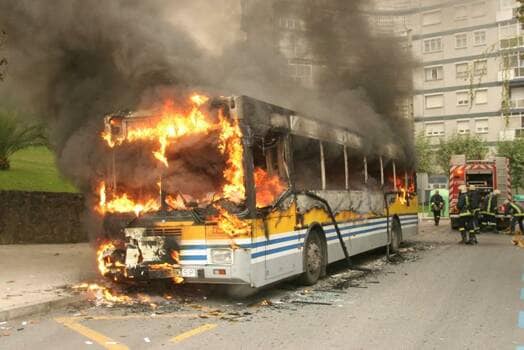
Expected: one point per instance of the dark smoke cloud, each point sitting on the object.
(73, 61)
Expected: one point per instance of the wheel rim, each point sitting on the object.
(314, 257)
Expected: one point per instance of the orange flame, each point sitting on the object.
(176, 256)
(267, 187)
(171, 126)
(103, 250)
(176, 203)
(124, 204)
(230, 224)
(231, 144)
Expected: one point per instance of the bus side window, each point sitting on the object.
(268, 154)
(270, 173)
(335, 167)
(356, 169)
(374, 172)
(306, 161)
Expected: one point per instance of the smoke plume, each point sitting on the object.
(73, 61)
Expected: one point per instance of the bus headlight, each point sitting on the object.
(134, 232)
(221, 256)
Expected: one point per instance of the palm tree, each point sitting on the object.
(15, 136)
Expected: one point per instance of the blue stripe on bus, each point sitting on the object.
(295, 246)
(276, 250)
(353, 231)
(193, 257)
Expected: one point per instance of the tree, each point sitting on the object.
(424, 153)
(15, 136)
(473, 147)
(514, 151)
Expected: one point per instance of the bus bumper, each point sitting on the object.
(235, 271)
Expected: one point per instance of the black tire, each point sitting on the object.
(396, 236)
(314, 259)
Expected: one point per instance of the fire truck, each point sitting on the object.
(486, 175)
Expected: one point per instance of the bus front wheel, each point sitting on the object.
(313, 259)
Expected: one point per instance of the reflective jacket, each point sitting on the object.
(514, 209)
(437, 202)
(490, 204)
(463, 205)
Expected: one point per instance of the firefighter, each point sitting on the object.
(517, 215)
(490, 211)
(474, 205)
(464, 213)
(437, 204)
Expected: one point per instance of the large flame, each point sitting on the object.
(230, 224)
(171, 125)
(267, 187)
(123, 203)
(231, 145)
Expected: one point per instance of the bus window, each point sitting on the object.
(356, 169)
(270, 170)
(374, 172)
(306, 161)
(335, 168)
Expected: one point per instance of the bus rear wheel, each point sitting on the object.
(313, 259)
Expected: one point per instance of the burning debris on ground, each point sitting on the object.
(160, 298)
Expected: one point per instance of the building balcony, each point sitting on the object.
(515, 76)
(517, 103)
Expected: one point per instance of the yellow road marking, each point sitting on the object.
(99, 338)
(193, 332)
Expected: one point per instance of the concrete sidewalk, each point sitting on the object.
(32, 276)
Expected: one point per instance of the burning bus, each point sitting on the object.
(240, 191)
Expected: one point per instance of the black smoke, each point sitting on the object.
(73, 61)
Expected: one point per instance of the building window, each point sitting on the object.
(509, 35)
(478, 9)
(301, 73)
(461, 12)
(292, 23)
(430, 18)
(480, 67)
(462, 98)
(432, 45)
(434, 73)
(461, 41)
(461, 70)
(463, 127)
(519, 132)
(479, 37)
(434, 101)
(435, 129)
(481, 96)
(481, 126)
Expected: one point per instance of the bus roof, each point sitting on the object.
(262, 116)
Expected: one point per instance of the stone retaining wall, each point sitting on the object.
(41, 217)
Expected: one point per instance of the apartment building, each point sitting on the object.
(471, 56)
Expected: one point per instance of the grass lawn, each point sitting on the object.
(34, 169)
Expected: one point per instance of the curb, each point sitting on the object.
(38, 308)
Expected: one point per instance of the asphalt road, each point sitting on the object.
(439, 295)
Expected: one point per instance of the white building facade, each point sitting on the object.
(471, 55)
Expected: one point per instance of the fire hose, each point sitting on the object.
(316, 197)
